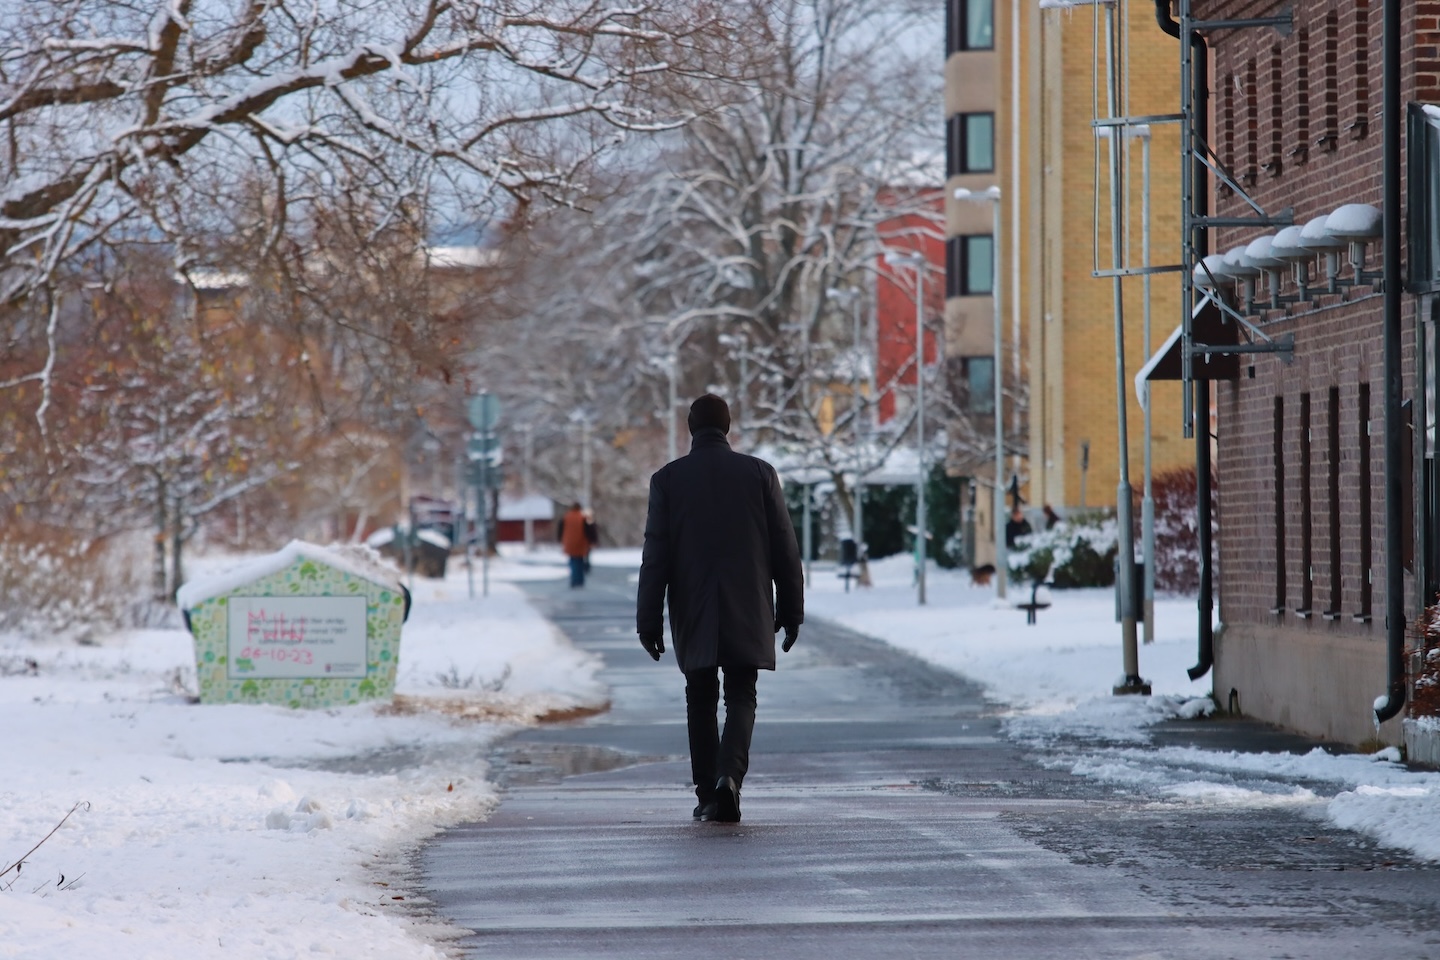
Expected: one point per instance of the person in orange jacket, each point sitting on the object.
(575, 541)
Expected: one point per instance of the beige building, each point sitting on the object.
(1032, 80)
(972, 103)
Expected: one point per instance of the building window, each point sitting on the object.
(1366, 536)
(1302, 96)
(1332, 82)
(1275, 166)
(969, 25)
(970, 143)
(978, 278)
(970, 266)
(1333, 495)
(1252, 126)
(1307, 515)
(1424, 200)
(1278, 455)
(977, 384)
(1361, 124)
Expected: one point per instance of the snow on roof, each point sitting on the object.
(532, 507)
(461, 256)
(434, 538)
(1143, 374)
(356, 560)
(211, 278)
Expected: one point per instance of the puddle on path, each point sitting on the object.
(518, 762)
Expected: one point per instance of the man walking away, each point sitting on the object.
(718, 541)
(575, 543)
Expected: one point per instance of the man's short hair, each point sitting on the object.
(709, 411)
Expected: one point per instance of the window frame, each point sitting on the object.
(965, 289)
(958, 140)
(980, 403)
(1422, 215)
(957, 266)
(957, 23)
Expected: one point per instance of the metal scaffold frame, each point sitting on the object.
(1196, 220)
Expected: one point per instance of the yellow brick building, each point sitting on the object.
(1042, 74)
(1070, 313)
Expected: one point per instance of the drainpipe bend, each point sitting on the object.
(1392, 701)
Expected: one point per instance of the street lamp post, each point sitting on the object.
(670, 407)
(917, 262)
(851, 297)
(997, 509)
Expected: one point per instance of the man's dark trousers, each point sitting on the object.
(714, 754)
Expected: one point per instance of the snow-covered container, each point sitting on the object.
(307, 626)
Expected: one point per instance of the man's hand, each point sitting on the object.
(654, 644)
(792, 633)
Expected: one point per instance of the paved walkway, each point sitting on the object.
(884, 816)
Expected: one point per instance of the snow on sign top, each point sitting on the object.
(356, 561)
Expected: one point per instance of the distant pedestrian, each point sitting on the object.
(575, 543)
(1051, 517)
(719, 543)
(1016, 527)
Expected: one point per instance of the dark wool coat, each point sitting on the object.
(718, 540)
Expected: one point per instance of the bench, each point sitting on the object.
(1037, 602)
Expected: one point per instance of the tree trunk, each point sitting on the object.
(847, 504)
(162, 526)
(177, 540)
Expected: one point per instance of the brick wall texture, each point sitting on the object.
(1297, 118)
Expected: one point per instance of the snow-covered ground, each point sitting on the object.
(255, 832)
(248, 831)
(1054, 681)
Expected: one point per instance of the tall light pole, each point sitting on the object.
(1141, 132)
(527, 485)
(1124, 510)
(851, 297)
(672, 453)
(997, 509)
(917, 262)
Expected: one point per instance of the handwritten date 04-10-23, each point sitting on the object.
(284, 654)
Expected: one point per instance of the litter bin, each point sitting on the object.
(307, 626)
(1137, 590)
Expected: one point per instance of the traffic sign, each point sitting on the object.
(484, 412)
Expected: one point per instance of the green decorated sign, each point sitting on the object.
(307, 627)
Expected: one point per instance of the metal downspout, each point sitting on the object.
(1199, 79)
(1390, 703)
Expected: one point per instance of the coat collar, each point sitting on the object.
(708, 438)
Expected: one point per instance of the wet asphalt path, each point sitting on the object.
(884, 815)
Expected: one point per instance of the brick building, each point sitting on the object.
(1295, 122)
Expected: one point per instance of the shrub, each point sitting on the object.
(55, 583)
(1177, 531)
(1077, 552)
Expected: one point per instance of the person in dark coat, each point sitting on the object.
(1016, 527)
(719, 543)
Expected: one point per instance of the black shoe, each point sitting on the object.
(727, 801)
(704, 811)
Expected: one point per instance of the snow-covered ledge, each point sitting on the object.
(1422, 742)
